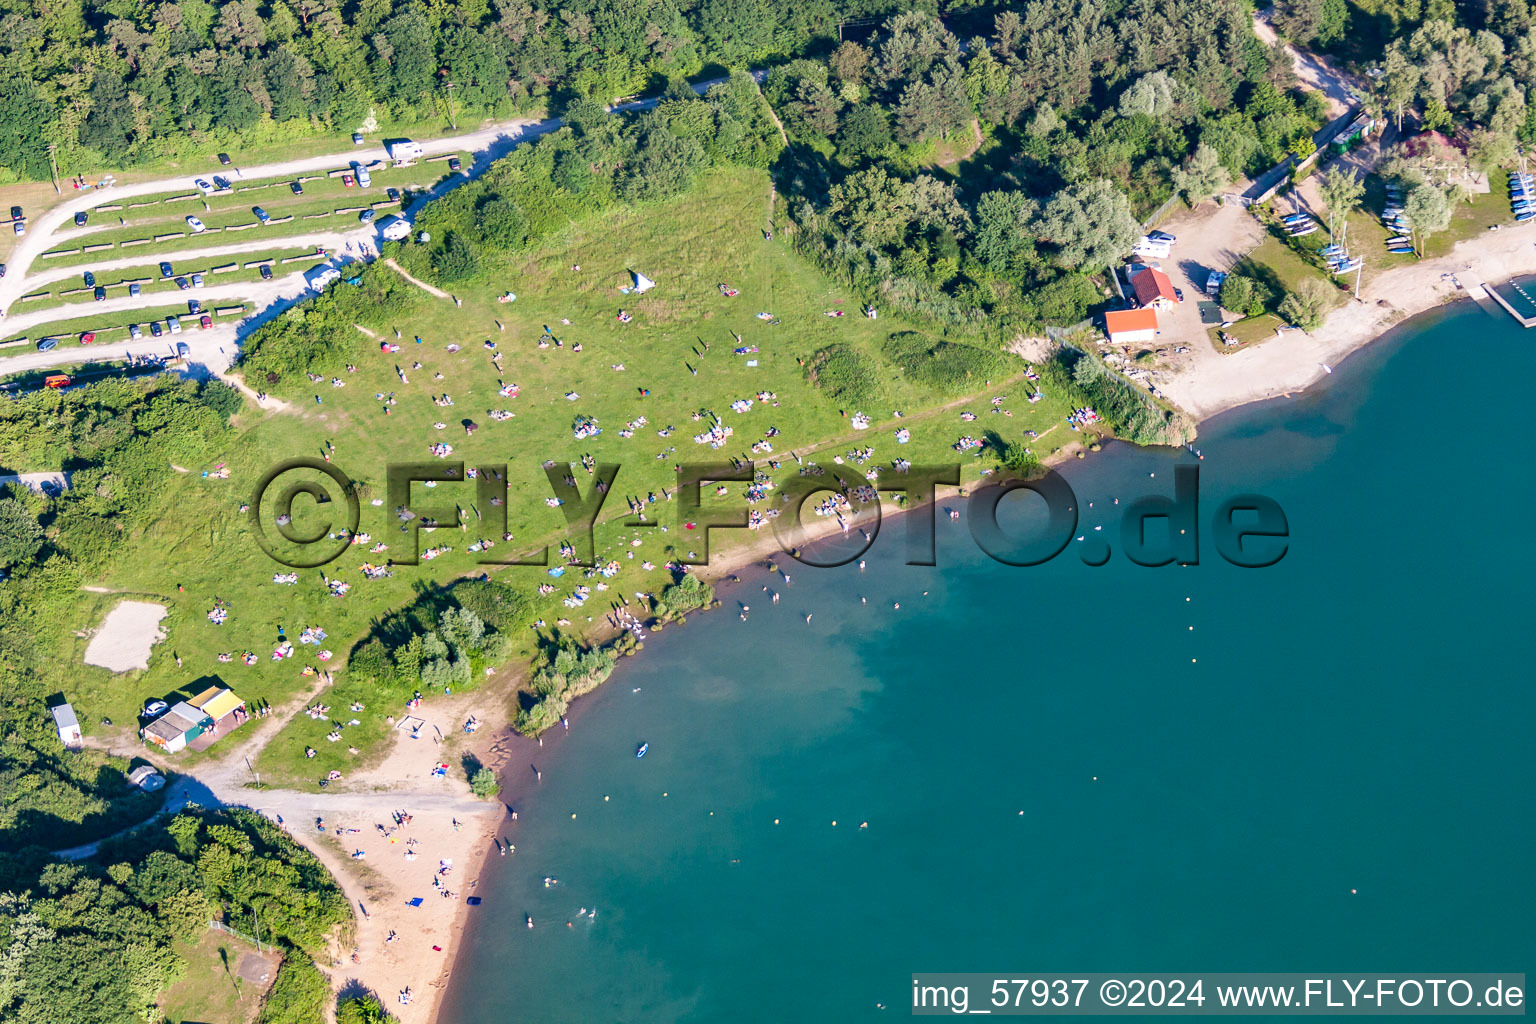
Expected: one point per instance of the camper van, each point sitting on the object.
(395, 228)
(1152, 248)
(320, 275)
(403, 151)
(364, 179)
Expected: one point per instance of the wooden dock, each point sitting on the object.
(1474, 287)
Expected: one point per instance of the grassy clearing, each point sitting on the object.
(209, 990)
(689, 246)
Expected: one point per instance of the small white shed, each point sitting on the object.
(68, 725)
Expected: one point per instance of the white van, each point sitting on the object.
(364, 179)
(1154, 249)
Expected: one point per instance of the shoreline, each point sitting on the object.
(1216, 382)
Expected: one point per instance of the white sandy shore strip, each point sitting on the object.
(1215, 382)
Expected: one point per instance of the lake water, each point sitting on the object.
(1057, 772)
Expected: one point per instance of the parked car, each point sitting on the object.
(194, 307)
(133, 291)
(16, 213)
(224, 159)
(261, 214)
(296, 188)
(1161, 236)
(182, 284)
(221, 184)
(90, 279)
(393, 194)
(346, 179)
(266, 272)
(364, 179)
(87, 337)
(2, 269)
(366, 217)
(196, 225)
(357, 138)
(203, 186)
(48, 344)
(174, 323)
(453, 163)
(165, 270)
(156, 707)
(206, 321)
(81, 218)
(20, 227)
(135, 332)
(100, 294)
(154, 328)
(197, 280)
(182, 350)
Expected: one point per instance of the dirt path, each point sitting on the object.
(418, 282)
(1315, 72)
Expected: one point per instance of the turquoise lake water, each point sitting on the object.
(1050, 782)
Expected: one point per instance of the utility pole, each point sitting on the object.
(448, 86)
(52, 162)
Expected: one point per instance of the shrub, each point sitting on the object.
(945, 366)
(845, 374)
(457, 260)
(484, 784)
(298, 995)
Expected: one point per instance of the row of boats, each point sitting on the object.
(1522, 199)
(1337, 257)
(1298, 224)
(1396, 220)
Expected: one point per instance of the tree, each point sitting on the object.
(1307, 305)
(1151, 95)
(1202, 174)
(21, 536)
(865, 133)
(1428, 210)
(484, 784)
(872, 206)
(362, 1010)
(1088, 225)
(1240, 295)
(1003, 239)
(1399, 81)
(1341, 191)
(1306, 22)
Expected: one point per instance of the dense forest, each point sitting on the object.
(110, 925)
(135, 80)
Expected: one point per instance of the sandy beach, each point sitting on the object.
(1213, 382)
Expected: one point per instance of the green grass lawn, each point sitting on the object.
(1281, 269)
(689, 246)
(209, 991)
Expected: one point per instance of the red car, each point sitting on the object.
(207, 322)
(87, 337)
(347, 180)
